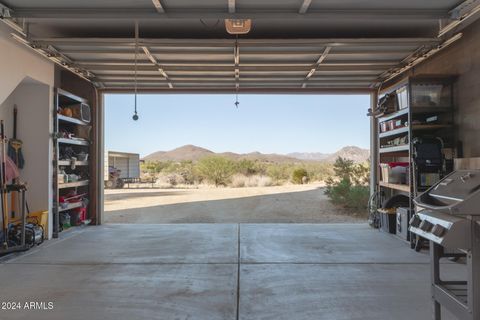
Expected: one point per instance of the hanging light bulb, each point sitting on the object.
(135, 114)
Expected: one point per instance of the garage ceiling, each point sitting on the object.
(294, 45)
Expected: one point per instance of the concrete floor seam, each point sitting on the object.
(122, 263)
(238, 272)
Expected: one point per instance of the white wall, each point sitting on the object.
(27, 79)
(18, 62)
(34, 128)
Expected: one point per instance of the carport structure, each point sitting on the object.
(94, 47)
(293, 44)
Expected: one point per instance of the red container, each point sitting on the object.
(82, 214)
(397, 164)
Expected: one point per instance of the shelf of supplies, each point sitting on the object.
(394, 115)
(393, 132)
(415, 127)
(74, 141)
(70, 97)
(73, 184)
(430, 126)
(69, 163)
(401, 148)
(70, 206)
(72, 120)
(420, 110)
(395, 186)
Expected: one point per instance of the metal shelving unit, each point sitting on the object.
(412, 118)
(65, 163)
(60, 122)
(73, 184)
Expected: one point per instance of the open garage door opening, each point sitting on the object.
(70, 69)
(206, 159)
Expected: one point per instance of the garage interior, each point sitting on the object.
(59, 59)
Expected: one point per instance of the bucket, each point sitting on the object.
(40, 218)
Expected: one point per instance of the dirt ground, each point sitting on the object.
(280, 204)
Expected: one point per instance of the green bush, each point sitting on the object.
(299, 176)
(349, 186)
(193, 172)
(216, 169)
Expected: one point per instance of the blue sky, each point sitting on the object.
(265, 123)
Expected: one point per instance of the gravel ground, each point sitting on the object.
(281, 204)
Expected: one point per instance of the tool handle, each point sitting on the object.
(2, 130)
(15, 111)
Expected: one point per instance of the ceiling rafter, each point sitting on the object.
(231, 6)
(156, 64)
(316, 65)
(145, 14)
(158, 6)
(304, 7)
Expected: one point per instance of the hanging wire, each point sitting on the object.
(236, 99)
(237, 62)
(135, 115)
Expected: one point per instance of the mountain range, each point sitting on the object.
(194, 153)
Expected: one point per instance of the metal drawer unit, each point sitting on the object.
(448, 214)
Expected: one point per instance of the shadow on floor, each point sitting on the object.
(135, 195)
(293, 207)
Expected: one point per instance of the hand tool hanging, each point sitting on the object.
(15, 153)
(15, 145)
(3, 189)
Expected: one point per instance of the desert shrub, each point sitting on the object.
(249, 167)
(279, 173)
(299, 176)
(238, 181)
(264, 181)
(358, 197)
(319, 171)
(216, 169)
(152, 167)
(349, 186)
(258, 181)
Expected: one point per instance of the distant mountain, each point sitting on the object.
(350, 152)
(194, 153)
(188, 152)
(309, 156)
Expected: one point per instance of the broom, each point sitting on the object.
(3, 198)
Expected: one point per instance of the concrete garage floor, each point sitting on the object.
(221, 271)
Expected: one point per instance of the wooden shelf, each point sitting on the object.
(394, 132)
(70, 206)
(73, 184)
(69, 163)
(74, 141)
(72, 120)
(395, 186)
(401, 148)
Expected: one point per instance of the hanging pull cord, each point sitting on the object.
(135, 115)
(237, 62)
